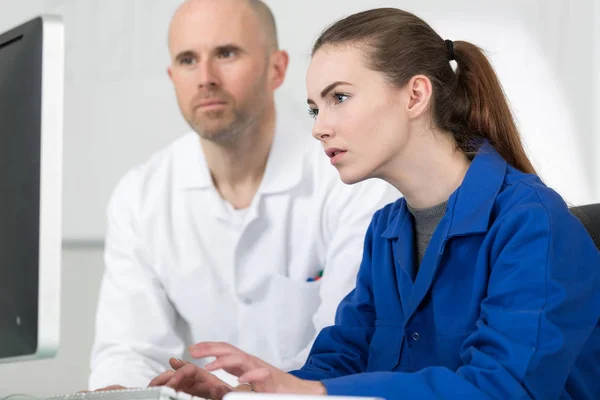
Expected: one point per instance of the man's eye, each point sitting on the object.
(227, 53)
(187, 61)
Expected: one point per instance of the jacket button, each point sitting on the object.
(415, 336)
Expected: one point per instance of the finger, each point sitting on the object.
(188, 371)
(202, 375)
(256, 376)
(243, 387)
(231, 361)
(218, 392)
(176, 363)
(187, 384)
(222, 391)
(207, 390)
(201, 390)
(212, 349)
(112, 387)
(162, 379)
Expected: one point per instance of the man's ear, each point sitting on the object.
(279, 63)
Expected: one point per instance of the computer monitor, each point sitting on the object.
(31, 123)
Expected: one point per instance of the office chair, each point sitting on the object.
(589, 215)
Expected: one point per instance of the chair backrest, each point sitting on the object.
(589, 216)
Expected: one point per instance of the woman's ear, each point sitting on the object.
(420, 93)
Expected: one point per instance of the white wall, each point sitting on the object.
(120, 108)
(540, 49)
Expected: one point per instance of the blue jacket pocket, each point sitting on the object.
(386, 347)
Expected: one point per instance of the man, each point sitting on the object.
(224, 235)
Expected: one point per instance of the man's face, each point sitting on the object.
(220, 67)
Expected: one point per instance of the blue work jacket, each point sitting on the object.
(505, 303)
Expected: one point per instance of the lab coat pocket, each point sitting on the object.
(294, 305)
(386, 347)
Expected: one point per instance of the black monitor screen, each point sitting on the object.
(20, 125)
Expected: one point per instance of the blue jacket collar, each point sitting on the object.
(470, 206)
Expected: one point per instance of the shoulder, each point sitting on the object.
(526, 195)
(529, 212)
(155, 175)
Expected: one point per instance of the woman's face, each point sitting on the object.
(361, 119)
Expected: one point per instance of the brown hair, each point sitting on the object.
(470, 104)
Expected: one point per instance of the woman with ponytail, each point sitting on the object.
(478, 283)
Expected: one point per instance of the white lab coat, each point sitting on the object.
(182, 267)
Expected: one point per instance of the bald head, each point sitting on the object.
(264, 19)
(267, 22)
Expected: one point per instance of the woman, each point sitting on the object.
(479, 283)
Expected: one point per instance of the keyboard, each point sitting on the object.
(154, 393)
(165, 393)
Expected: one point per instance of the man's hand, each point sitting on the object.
(189, 378)
(262, 376)
(104, 389)
(113, 387)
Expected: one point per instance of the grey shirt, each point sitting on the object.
(426, 220)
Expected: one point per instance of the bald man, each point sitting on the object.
(239, 231)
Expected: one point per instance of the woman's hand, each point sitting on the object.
(251, 370)
(189, 378)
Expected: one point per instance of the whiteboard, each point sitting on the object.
(120, 107)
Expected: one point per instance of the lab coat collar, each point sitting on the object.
(284, 164)
(470, 206)
(189, 166)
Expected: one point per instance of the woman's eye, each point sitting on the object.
(313, 112)
(340, 98)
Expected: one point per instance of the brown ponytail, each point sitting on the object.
(488, 112)
(468, 103)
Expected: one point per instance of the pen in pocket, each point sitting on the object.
(316, 278)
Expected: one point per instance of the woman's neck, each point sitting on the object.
(428, 170)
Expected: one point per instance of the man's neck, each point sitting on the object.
(237, 170)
